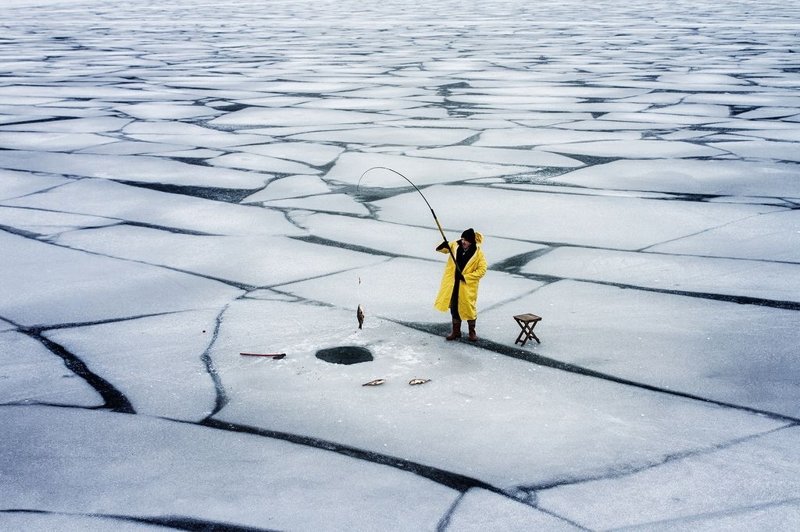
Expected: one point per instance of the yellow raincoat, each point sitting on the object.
(467, 292)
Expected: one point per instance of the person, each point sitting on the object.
(458, 292)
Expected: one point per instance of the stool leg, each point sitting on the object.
(521, 334)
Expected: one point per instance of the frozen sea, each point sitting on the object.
(179, 184)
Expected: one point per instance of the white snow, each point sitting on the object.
(728, 178)
(185, 181)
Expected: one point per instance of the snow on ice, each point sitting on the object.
(184, 182)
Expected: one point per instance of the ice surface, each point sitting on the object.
(152, 468)
(23, 140)
(167, 111)
(103, 124)
(259, 163)
(140, 169)
(14, 184)
(166, 132)
(370, 285)
(546, 136)
(25, 519)
(171, 211)
(403, 240)
(305, 152)
(392, 136)
(772, 236)
(534, 409)
(730, 178)
(351, 166)
(294, 116)
(758, 279)
(723, 351)
(32, 374)
(46, 284)
(761, 149)
(632, 166)
(249, 260)
(290, 187)
(167, 350)
(47, 223)
(482, 510)
(615, 222)
(645, 149)
(498, 155)
(334, 203)
(737, 481)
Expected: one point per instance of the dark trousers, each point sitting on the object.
(454, 303)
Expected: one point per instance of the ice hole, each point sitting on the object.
(349, 354)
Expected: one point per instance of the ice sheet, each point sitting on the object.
(289, 187)
(370, 286)
(154, 468)
(482, 510)
(259, 163)
(535, 408)
(15, 184)
(670, 132)
(167, 111)
(736, 481)
(728, 352)
(60, 142)
(293, 116)
(403, 240)
(305, 152)
(761, 149)
(498, 155)
(392, 136)
(615, 222)
(140, 169)
(733, 178)
(547, 136)
(47, 223)
(31, 374)
(172, 132)
(171, 211)
(643, 149)
(772, 236)
(334, 203)
(757, 279)
(46, 284)
(423, 171)
(156, 362)
(101, 124)
(248, 260)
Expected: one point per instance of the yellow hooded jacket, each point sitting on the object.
(467, 292)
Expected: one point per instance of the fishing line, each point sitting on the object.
(435, 219)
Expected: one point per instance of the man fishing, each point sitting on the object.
(458, 292)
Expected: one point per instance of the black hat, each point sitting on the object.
(469, 235)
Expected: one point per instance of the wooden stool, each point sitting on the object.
(527, 322)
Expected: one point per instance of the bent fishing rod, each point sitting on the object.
(435, 219)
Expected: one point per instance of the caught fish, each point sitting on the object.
(360, 316)
(415, 382)
(376, 382)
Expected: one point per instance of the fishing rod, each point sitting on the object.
(435, 219)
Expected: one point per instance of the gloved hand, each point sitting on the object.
(460, 277)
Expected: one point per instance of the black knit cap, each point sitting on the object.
(469, 235)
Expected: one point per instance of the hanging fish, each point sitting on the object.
(360, 316)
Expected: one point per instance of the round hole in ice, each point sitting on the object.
(348, 354)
